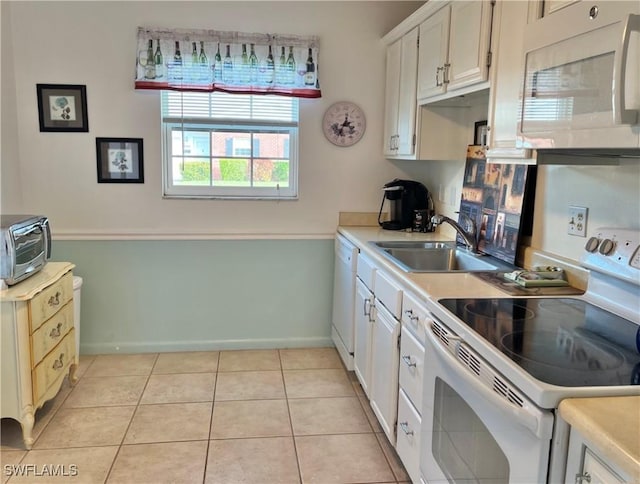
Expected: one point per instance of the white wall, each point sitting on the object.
(93, 43)
(10, 184)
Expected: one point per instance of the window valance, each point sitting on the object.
(233, 62)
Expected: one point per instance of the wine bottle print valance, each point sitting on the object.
(233, 62)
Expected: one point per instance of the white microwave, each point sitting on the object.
(582, 78)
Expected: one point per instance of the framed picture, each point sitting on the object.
(62, 107)
(120, 160)
(480, 133)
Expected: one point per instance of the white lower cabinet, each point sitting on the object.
(585, 465)
(384, 370)
(364, 320)
(408, 443)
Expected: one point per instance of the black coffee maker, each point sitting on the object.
(406, 197)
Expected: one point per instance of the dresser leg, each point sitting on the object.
(73, 378)
(27, 422)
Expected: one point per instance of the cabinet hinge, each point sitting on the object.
(489, 58)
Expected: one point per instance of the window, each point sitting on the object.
(218, 145)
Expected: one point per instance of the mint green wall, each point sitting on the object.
(198, 295)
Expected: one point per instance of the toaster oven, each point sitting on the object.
(26, 246)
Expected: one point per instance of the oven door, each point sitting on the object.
(476, 426)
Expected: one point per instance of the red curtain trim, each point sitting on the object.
(302, 93)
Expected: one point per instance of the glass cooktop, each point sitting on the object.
(562, 341)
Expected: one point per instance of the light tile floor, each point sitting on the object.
(252, 416)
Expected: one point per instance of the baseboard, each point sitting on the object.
(212, 345)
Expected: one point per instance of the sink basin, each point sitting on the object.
(415, 245)
(437, 257)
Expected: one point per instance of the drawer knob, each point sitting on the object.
(55, 300)
(405, 428)
(57, 364)
(585, 477)
(55, 332)
(407, 360)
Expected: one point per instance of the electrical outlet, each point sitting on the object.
(577, 222)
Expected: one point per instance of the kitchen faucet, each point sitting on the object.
(468, 233)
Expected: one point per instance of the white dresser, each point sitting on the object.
(38, 343)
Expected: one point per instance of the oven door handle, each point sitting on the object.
(527, 419)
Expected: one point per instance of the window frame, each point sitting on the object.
(211, 125)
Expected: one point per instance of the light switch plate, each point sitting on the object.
(577, 221)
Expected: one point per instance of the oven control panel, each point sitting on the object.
(615, 252)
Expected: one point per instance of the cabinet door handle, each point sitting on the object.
(54, 300)
(55, 332)
(372, 305)
(445, 76)
(364, 308)
(405, 428)
(584, 477)
(57, 364)
(407, 360)
(438, 70)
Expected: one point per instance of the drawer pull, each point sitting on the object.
(57, 364)
(585, 477)
(405, 428)
(407, 360)
(55, 332)
(54, 300)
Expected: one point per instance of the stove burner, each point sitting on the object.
(567, 307)
(562, 349)
(512, 312)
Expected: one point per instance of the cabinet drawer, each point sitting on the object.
(53, 366)
(408, 443)
(50, 301)
(51, 333)
(411, 367)
(366, 271)
(388, 293)
(414, 314)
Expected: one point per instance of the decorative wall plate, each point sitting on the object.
(344, 123)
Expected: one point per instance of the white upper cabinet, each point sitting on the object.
(434, 33)
(454, 49)
(400, 96)
(510, 20)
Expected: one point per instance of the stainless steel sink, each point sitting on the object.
(406, 244)
(438, 257)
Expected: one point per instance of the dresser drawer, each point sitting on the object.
(53, 366)
(51, 333)
(50, 301)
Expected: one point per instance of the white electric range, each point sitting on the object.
(497, 368)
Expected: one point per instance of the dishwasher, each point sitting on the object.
(344, 288)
